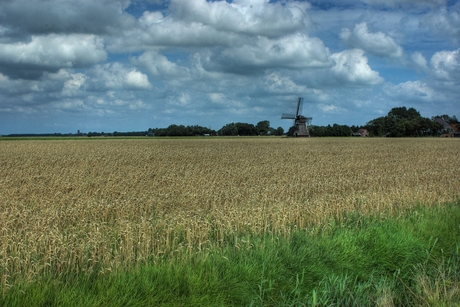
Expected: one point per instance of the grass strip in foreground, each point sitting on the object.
(412, 260)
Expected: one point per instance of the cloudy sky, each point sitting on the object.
(130, 65)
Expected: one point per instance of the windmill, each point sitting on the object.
(300, 121)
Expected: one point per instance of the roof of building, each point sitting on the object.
(442, 122)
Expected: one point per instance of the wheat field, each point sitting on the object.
(86, 205)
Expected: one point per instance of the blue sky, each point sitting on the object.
(121, 65)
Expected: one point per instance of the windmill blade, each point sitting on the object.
(299, 106)
(287, 116)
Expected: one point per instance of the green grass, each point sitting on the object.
(412, 260)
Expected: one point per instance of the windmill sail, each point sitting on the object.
(299, 106)
(287, 116)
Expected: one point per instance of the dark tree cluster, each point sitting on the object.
(403, 122)
(334, 130)
(234, 129)
(181, 130)
(245, 129)
(38, 135)
(116, 133)
(132, 133)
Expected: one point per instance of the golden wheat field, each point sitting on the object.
(72, 206)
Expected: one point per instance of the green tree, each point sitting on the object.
(340, 130)
(278, 131)
(246, 129)
(176, 130)
(228, 129)
(403, 113)
(399, 129)
(291, 131)
(402, 122)
(377, 126)
(263, 127)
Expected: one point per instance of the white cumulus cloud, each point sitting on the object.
(351, 67)
(52, 52)
(116, 76)
(158, 65)
(419, 61)
(136, 80)
(444, 21)
(201, 23)
(376, 43)
(255, 17)
(405, 3)
(23, 17)
(73, 85)
(410, 90)
(446, 65)
(279, 84)
(291, 52)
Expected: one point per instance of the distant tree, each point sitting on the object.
(334, 130)
(228, 130)
(340, 130)
(377, 127)
(151, 132)
(238, 129)
(278, 131)
(160, 132)
(175, 130)
(130, 133)
(181, 130)
(403, 113)
(246, 129)
(291, 131)
(263, 127)
(316, 130)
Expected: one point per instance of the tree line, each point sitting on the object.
(231, 129)
(399, 122)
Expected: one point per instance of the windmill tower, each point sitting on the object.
(300, 121)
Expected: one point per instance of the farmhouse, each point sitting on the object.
(448, 130)
(361, 132)
(456, 127)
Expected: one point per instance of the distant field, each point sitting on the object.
(75, 206)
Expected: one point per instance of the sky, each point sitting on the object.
(131, 65)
